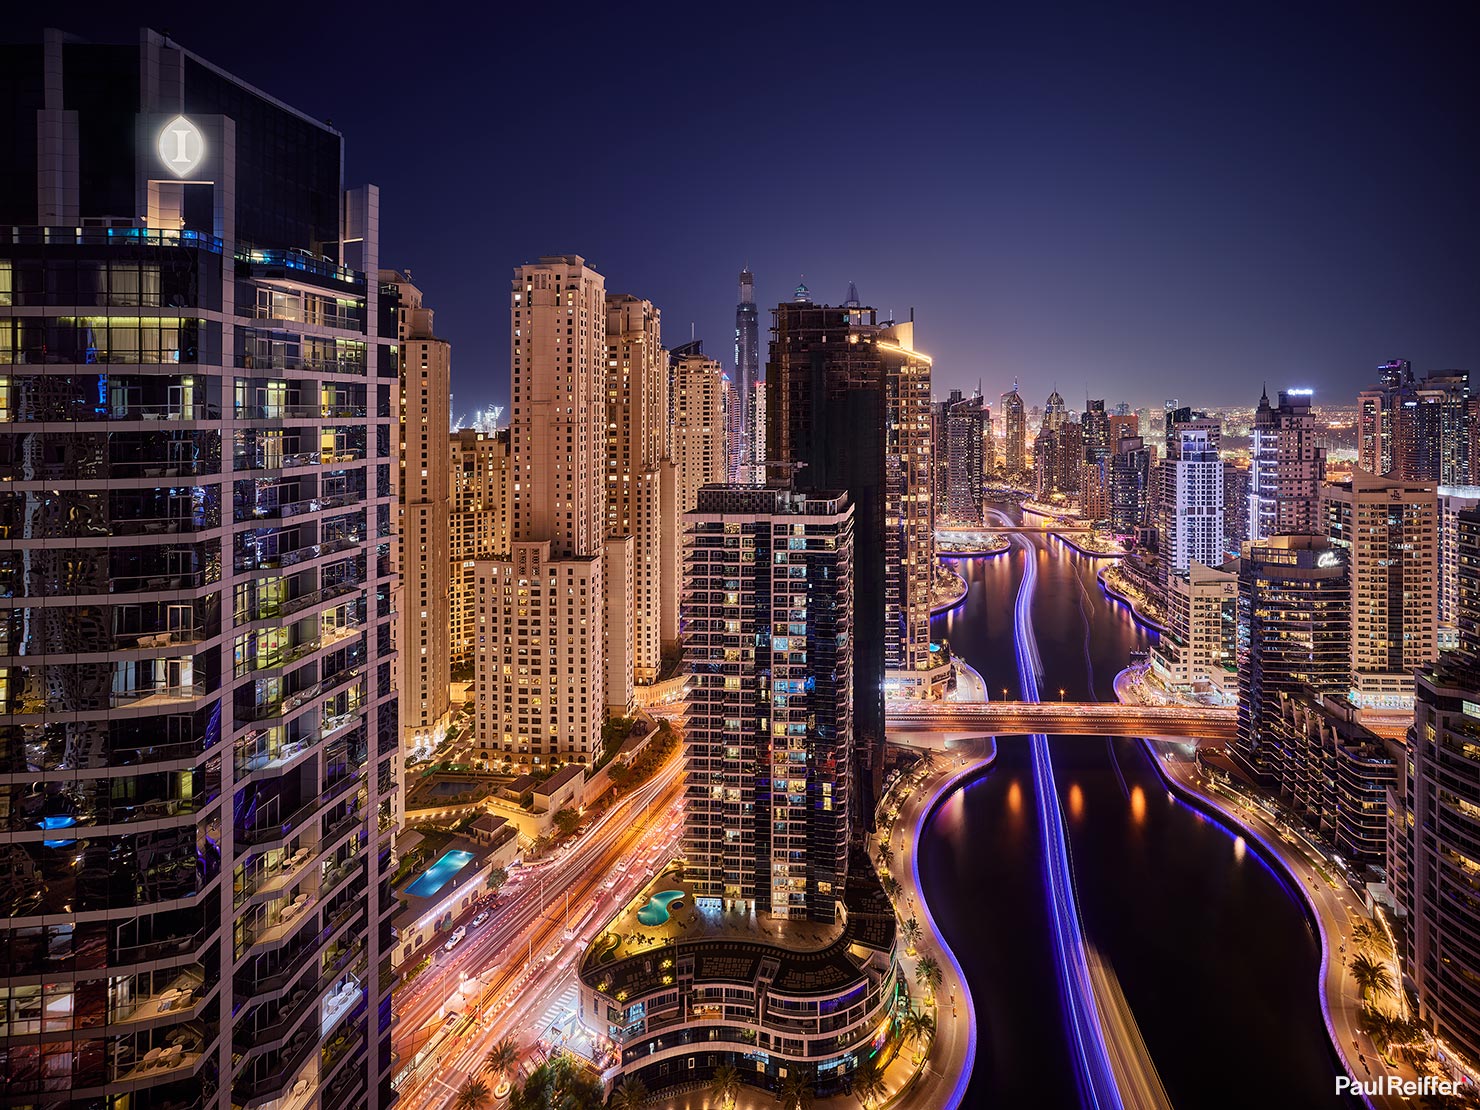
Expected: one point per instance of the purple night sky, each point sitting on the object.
(1141, 202)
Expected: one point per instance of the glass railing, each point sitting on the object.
(111, 237)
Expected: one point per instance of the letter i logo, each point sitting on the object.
(181, 146)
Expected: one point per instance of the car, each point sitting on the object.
(457, 936)
(480, 919)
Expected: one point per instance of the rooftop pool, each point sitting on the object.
(656, 910)
(435, 877)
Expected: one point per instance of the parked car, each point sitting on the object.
(480, 919)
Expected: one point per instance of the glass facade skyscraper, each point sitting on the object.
(196, 594)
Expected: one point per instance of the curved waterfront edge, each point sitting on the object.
(1237, 825)
(1155, 625)
(963, 1065)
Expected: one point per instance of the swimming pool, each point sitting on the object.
(656, 910)
(435, 877)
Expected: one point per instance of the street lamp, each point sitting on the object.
(1061, 693)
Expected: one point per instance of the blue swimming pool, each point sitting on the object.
(435, 877)
(656, 911)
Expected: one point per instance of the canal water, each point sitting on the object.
(1213, 954)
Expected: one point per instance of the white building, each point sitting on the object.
(1192, 498)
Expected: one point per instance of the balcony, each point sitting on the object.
(149, 697)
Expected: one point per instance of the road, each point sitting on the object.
(509, 950)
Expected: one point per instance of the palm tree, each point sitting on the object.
(502, 1057)
(473, 1095)
(918, 1027)
(868, 1080)
(890, 885)
(631, 1095)
(726, 1085)
(910, 930)
(928, 975)
(1369, 938)
(1371, 976)
(796, 1092)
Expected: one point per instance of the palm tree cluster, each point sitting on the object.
(868, 1081)
(919, 1027)
(928, 975)
(561, 1083)
(796, 1092)
(726, 1086)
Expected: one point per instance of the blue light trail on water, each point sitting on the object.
(1093, 1074)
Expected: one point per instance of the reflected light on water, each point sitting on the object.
(1015, 799)
(1076, 802)
(1238, 849)
(1138, 805)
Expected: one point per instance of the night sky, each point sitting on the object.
(1144, 203)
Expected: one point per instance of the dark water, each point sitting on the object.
(1214, 956)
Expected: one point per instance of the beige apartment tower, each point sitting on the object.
(637, 435)
(541, 621)
(699, 448)
(479, 478)
(423, 619)
(1390, 529)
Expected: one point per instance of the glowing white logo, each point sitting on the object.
(181, 146)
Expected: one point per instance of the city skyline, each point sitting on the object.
(1103, 203)
(836, 726)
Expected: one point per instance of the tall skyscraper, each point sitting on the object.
(1287, 466)
(966, 420)
(1235, 507)
(757, 436)
(747, 372)
(1418, 431)
(1191, 525)
(1130, 477)
(1200, 653)
(1295, 611)
(200, 420)
(848, 407)
(1453, 500)
(479, 527)
(542, 607)
(637, 416)
(698, 427)
(1014, 434)
(769, 728)
(424, 541)
(1388, 530)
(1435, 823)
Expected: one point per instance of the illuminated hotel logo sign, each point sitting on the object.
(181, 146)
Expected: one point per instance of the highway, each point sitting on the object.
(433, 1055)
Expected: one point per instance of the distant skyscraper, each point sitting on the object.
(1235, 507)
(1295, 612)
(424, 615)
(1453, 500)
(554, 578)
(1388, 529)
(769, 728)
(1014, 434)
(1130, 475)
(1191, 525)
(757, 440)
(199, 690)
(747, 372)
(965, 423)
(1287, 467)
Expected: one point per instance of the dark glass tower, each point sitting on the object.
(747, 371)
(199, 728)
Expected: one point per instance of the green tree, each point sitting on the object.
(631, 1095)
(928, 975)
(567, 821)
(891, 886)
(796, 1092)
(726, 1086)
(497, 877)
(473, 1096)
(868, 1081)
(910, 930)
(886, 855)
(560, 1083)
(919, 1027)
(1372, 977)
(503, 1056)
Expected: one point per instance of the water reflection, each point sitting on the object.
(1138, 805)
(1076, 802)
